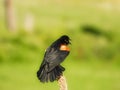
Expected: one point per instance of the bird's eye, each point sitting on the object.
(66, 40)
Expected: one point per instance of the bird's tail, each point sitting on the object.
(51, 76)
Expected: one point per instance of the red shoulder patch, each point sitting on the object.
(64, 48)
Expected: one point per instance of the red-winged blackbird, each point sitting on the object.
(50, 69)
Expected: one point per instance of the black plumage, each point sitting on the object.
(50, 69)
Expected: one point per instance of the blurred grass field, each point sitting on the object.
(79, 76)
(93, 25)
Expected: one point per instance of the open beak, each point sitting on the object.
(69, 41)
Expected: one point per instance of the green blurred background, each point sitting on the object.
(93, 26)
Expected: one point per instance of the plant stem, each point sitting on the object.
(62, 83)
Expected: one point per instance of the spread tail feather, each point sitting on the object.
(51, 76)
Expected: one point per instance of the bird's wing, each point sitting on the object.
(54, 57)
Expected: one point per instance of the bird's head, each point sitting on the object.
(65, 40)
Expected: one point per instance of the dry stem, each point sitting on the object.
(62, 83)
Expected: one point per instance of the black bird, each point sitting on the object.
(50, 69)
